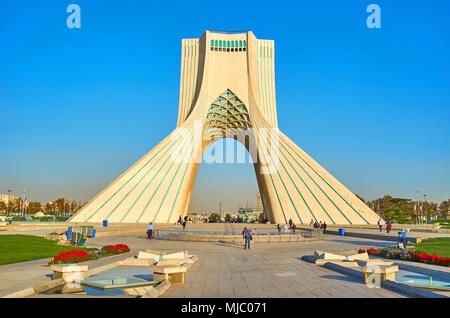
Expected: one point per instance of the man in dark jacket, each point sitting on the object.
(247, 234)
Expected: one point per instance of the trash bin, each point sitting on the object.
(68, 235)
(342, 232)
(401, 236)
(105, 223)
(93, 233)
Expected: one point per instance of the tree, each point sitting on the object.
(49, 208)
(14, 205)
(34, 207)
(213, 218)
(228, 217)
(444, 208)
(398, 215)
(261, 218)
(3, 206)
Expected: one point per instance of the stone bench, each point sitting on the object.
(68, 272)
(385, 272)
(349, 264)
(173, 273)
(373, 261)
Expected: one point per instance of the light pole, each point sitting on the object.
(418, 207)
(220, 209)
(23, 201)
(9, 202)
(425, 207)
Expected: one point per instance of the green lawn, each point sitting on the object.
(439, 246)
(17, 248)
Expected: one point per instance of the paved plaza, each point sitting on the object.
(226, 269)
(266, 270)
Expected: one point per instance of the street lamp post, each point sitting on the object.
(418, 208)
(425, 208)
(9, 202)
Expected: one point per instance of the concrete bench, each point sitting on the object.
(173, 273)
(349, 264)
(69, 272)
(384, 272)
(373, 261)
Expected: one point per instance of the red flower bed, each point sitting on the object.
(72, 256)
(430, 259)
(373, 251)
(115, 249)
(361, 250)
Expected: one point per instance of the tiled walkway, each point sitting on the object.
(225, 270)
(266, 270)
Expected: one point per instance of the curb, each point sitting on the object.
(159, 290)
(409, 290)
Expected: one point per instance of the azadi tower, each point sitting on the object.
(227, 89)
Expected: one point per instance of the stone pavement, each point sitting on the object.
(15, 277)
(227, 270)
(266, 270)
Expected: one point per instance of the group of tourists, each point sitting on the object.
(180, 221)
(318, 226)
(388, 225)
(183, 222)
(292, 227)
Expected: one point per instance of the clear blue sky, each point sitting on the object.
(78, 107)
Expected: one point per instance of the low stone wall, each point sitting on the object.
(238, 239)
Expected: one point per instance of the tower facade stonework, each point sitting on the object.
(227, 89)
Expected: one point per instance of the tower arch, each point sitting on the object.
(227, 95)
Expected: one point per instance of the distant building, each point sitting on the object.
(243, 209)
(5, 198)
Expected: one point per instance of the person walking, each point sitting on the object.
(316, 225)
(150, 231)
(388, 227)
(285, 228)
(247, 234)
(293, 227)
(380, 225)
(324, 227)
(279, 228)
(311, 223)
(290, 223)
(179, 220)
(184, 225)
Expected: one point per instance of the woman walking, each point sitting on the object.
(388, 227)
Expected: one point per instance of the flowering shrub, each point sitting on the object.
(430, 259)
(115, 249)
(361, 250)
(373, 251)
(397, 254)
(408, 255)
(72, 256)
